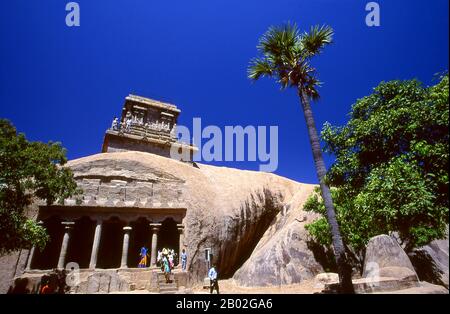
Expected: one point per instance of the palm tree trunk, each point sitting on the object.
(344, 270)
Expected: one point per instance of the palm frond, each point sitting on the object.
(279, 40)
(285, 55)
(316, 39)
(259, 68)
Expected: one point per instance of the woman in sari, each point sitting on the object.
(143, 255)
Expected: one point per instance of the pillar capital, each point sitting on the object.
(155, 226)
(68, 225)
(127, 229)
(180, 228)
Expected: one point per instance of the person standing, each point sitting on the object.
(159, 258)
(213, 282)
(115, 123)
(183, 260)
(143, 257)
(170, 259)
(128, 124)
(166, 269)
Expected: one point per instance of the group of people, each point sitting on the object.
(126, 123)
(166, 259)
(122, 125)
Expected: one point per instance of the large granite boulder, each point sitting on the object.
(282, 255)
(384, 251)
(431, 262)
(244, 216)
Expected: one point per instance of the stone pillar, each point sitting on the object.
(126, 243)
(155, 229)
(68, 226)
(30, 258)
(180, 228)
(96, 245)
(31, 254)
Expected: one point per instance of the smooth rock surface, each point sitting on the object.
(432, 262)
(402, 273)
(383, 251)
(244, 216)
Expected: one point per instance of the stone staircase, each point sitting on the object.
(167, 288)
(129, 280)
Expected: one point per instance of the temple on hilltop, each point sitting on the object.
(145, 125)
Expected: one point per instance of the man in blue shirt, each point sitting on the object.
(213, 283)
(183, 260)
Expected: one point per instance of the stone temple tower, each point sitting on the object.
(145, 125)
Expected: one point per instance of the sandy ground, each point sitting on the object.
(307, 287)
(230, 287)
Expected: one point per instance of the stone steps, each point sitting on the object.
(164, 287)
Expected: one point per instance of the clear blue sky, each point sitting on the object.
(65, 84)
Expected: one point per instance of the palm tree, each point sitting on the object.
(286, 55)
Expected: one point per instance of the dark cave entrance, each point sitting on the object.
(80, 244)
(110, 251)
(48, 257)
(168, 236)
(140, 236)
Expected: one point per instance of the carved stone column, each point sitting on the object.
(68, 226)
(180, 228)
(30, 258)
(126, 243)
(31, 255)
(96, 245)
(155, 229)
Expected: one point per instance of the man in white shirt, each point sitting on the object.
(213, 283)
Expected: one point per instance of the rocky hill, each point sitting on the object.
(244, 216)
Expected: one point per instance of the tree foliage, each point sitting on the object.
(391, 167)
(286, 55)
(29, 171)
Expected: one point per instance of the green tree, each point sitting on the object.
(391, 168)
(286, 56)
(29, 171)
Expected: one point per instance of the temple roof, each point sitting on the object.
(152, 103)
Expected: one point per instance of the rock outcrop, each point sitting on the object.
(384, 251)
(432, 262)
(282, 255)
(244, 216)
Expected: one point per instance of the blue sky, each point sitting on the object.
(65, 84)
